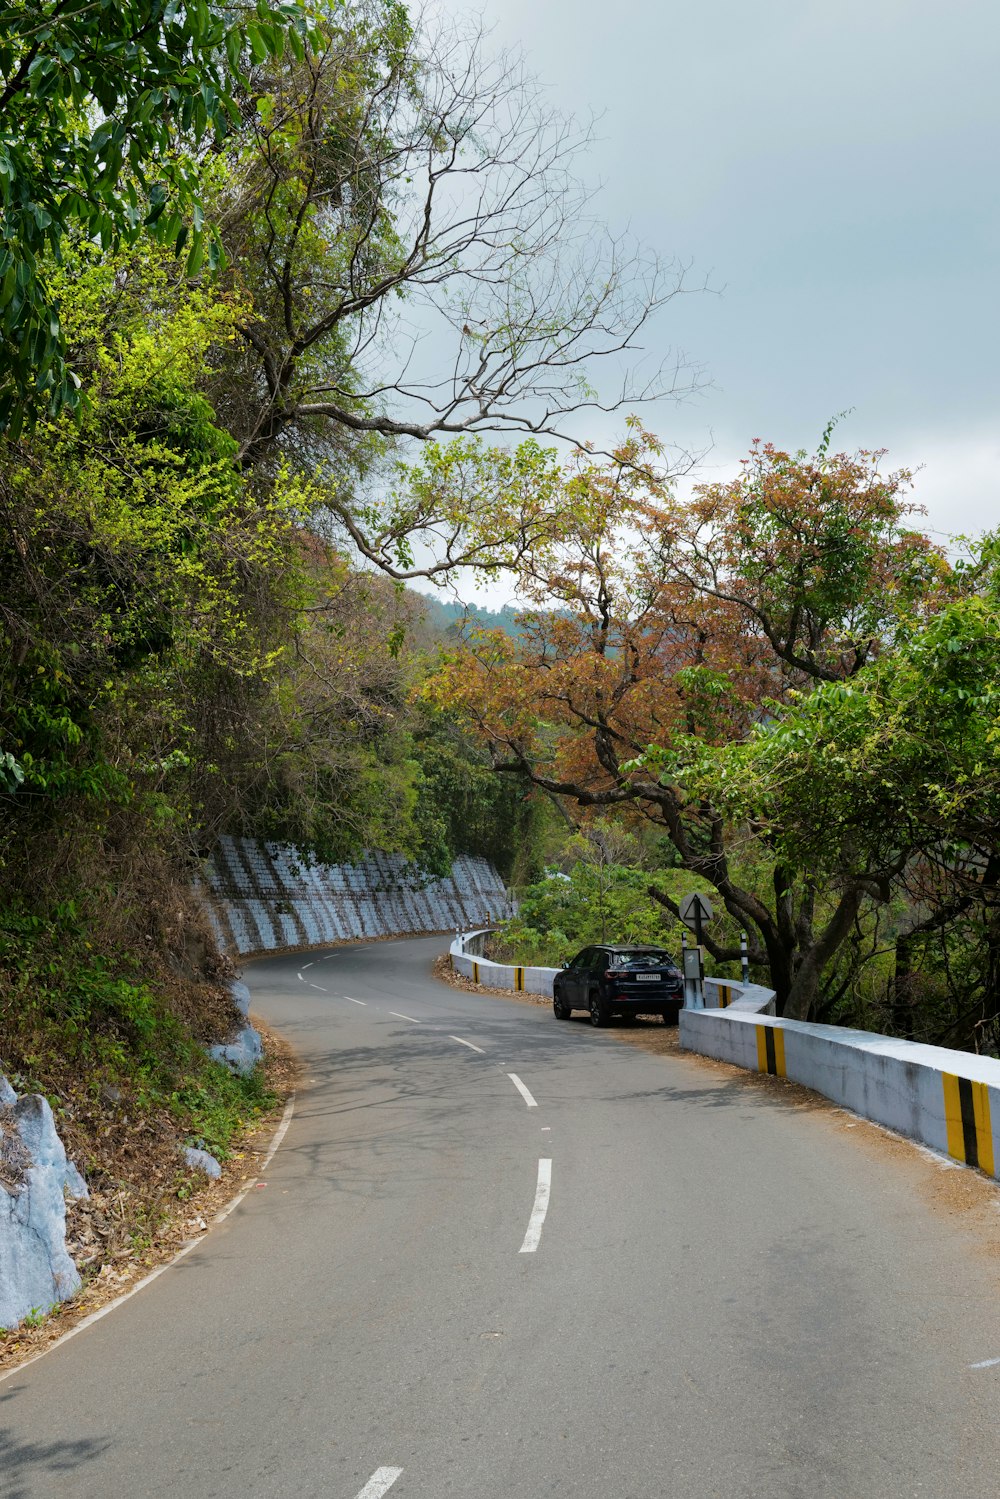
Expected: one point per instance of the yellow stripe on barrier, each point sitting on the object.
(725, 996)
(779, 1050)
(967, 1121)
(984, 1127)
(953, 1117)
(771, 1050)
(475, 972)
(519, 980)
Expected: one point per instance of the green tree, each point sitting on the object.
(889, 782)
(598, 901)
(103, 109)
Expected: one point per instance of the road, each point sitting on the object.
(718, 1294)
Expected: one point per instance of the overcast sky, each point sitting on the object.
(832, 168)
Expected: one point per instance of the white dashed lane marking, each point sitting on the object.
(522, 1090)
(540, 1208)
(380, 1483)
(468, 1044)
(398, 1016)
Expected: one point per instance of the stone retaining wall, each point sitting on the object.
(264, 896)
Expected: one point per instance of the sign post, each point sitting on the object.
(695, 911)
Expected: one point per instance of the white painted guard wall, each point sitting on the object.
(465, 960)
(949, 1100)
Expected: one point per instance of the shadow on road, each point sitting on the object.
(24, 1465)
(398, 1110)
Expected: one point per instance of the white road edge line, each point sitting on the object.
(356, 1001)
(987, 1363)
(319, 987)
(410, 1018)
(147, 1280)
(540, 1208)
(380, 1483)
(299, 976)
(307, 965)
(522, 1090)
(468, 1044)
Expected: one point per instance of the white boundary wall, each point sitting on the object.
(949, 1100)
(465, 959)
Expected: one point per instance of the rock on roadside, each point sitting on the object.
(200, 1160)
(241, 1054)
(244, 1049)
(35, 1267)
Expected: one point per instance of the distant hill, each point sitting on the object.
(451, 616)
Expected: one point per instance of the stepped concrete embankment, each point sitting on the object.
(265, 896)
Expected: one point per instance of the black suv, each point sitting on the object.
(622, 981)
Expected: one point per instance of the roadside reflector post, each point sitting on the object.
(744, 958)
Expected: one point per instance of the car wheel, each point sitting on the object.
(560, 1008)
(599, 1013)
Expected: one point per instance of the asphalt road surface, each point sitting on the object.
(499, 1255)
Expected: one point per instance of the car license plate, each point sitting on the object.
(648, 978)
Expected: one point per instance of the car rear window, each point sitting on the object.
(642, 960)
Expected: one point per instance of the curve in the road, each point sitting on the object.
(730, 1294)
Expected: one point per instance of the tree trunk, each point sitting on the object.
(804, 992)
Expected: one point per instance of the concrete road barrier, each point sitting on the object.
(466, 958)
(726, 994)
(949, 1100)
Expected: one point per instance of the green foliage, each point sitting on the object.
(560, 914)
(103, 106)
(136, 555)
(905, 754)
(454, 617)
(462, 807)
(71, 1015)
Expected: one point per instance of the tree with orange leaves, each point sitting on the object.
(663, 631)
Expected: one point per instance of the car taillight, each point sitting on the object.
(610, 973)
